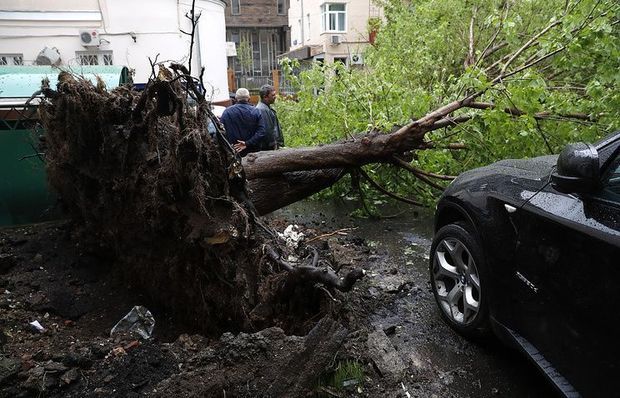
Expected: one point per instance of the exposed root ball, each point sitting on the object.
(152, 189)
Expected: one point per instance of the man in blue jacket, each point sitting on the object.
(245, 129)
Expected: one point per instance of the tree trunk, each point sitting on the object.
(272, 193)
(370, 148)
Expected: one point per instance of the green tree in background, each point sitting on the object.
(244, 56)
(550, 72)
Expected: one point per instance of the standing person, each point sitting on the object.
(275, 139)
(244, 126)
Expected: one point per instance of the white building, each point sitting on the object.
(70, 33)
(334, 30)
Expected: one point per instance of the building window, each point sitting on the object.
(257, 51)
(235, 7)
(281, 7)
(94, 58)
(11, 59)
(333, 17)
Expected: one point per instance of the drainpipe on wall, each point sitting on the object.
(303, 38)
(179, 16)
(103, 9)
(197, 47)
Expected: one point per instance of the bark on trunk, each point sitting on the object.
(272, 193)
(370, 148)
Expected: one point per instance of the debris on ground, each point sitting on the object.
(37, 327)
(138, 320)
(81, 359)
(291, 236)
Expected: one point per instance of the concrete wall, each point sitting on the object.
(306, 28)
(132, 30)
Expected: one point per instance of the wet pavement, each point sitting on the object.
(439, 362)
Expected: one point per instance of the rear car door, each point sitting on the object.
(566, 281)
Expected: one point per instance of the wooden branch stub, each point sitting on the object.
(310, 275)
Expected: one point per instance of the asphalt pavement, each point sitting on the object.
(441, 362)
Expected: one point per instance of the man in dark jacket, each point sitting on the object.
(245, 129)
(274, 136)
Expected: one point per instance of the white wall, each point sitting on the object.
(155, 25)
(38, 5)
(211, 47)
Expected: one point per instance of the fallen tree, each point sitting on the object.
(546, 72)
(178, 210)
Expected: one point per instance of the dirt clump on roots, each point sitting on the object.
(154, 196)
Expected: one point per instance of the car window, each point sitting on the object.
(611, 189)
(608, 148)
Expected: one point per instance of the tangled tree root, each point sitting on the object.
(144, 181)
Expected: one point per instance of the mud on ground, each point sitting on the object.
(388, 327)
(77, 298)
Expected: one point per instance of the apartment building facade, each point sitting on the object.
(332, 30)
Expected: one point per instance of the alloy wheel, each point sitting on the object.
(456, 281)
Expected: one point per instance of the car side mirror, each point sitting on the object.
(578, 169)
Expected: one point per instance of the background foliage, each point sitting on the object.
(419, 62)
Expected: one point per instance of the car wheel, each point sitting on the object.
(456, 263)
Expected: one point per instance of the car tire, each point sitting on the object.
(457, 270)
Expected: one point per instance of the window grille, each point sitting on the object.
(95, 58)
(11, 59)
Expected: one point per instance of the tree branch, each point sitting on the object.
(487, 52)
(444, 177)
(471, 57)
(451, 121)
(539, 115)
(399, 162)
(492, 51)
(385, 191)
(311, 275)
(341, 231)
(451, 146)
(194, 21)
(528, 44)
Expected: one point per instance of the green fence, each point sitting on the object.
(24, 197)
(24, 194)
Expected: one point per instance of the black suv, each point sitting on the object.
(530, 249)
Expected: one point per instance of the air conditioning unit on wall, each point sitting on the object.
(90, 38)
(357, 59)
(334, 39)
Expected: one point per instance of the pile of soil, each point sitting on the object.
(77, 297)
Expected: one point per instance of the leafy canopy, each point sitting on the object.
(424, 57)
